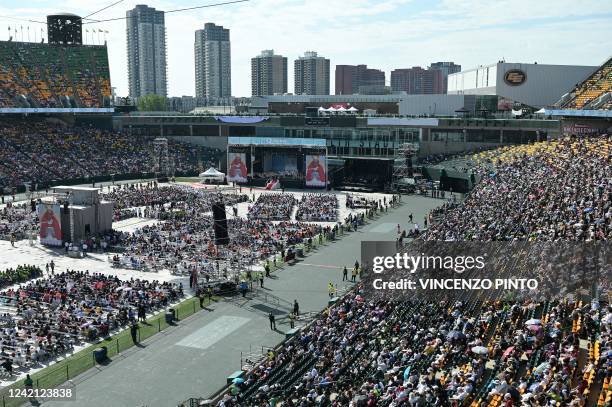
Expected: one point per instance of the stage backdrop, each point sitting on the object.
(236, 167)
(50, 225)
(316, 171)
(281, 164)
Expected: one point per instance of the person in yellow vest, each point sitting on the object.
(292, 320)
(331, 290)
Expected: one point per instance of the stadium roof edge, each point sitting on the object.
(578, 113)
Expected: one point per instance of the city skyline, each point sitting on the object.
(470, 33)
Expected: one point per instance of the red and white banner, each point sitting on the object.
(316, 171)
(236, 167)
(50, 224)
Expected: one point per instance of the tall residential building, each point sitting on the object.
(146, 52)
(353, 79)
(311, 74)
(447, 68)
(268, 74)
(417, 81)
(213, 62)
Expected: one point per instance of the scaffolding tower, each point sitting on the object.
(405, 169)
(160, 155)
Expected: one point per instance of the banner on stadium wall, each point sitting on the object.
(577, 128)
(316, 171)
(50, 224)
(236, 167)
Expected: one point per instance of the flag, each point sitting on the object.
(100, 30)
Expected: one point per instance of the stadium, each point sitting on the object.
(158, 259)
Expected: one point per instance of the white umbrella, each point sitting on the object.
(533, 322)
(480, 350)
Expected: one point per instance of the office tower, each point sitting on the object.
(213, 62)
(268, 74)
(146, 52)
(311, 74)
(417, 81)
(353, 79)
(446, 68)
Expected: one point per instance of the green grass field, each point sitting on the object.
(187, 179)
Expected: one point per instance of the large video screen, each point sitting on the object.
(236, 167)
(280, 164)
(316, 171)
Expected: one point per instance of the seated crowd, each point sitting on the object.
(558, 190)
(41, 152)
(479, 351)
(183, 239)
(52, 315)
(34, 75)
(273, 206)
(16, 220)
(318, 208)
(20, 274)
(596, 85)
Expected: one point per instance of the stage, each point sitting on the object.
(273, 163)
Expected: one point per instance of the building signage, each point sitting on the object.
(275, 141)
(577, 128)
(515, 77)
(317, 121)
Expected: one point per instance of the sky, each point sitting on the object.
(384, 34)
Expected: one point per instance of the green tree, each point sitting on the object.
(152, 103)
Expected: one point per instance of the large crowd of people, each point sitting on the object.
(596, 85)
(273, 206)
(476, 351)
(183, 240)
(52, 315)
(318, 208)
(19, 274)
(40, 152)
(17, 220)
(36, 75)
(362, 353)
(558, 190)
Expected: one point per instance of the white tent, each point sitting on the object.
(332, 109)
(353, 109)
(541, 111)
(341, 109)
(212, 174)
(322, 109)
